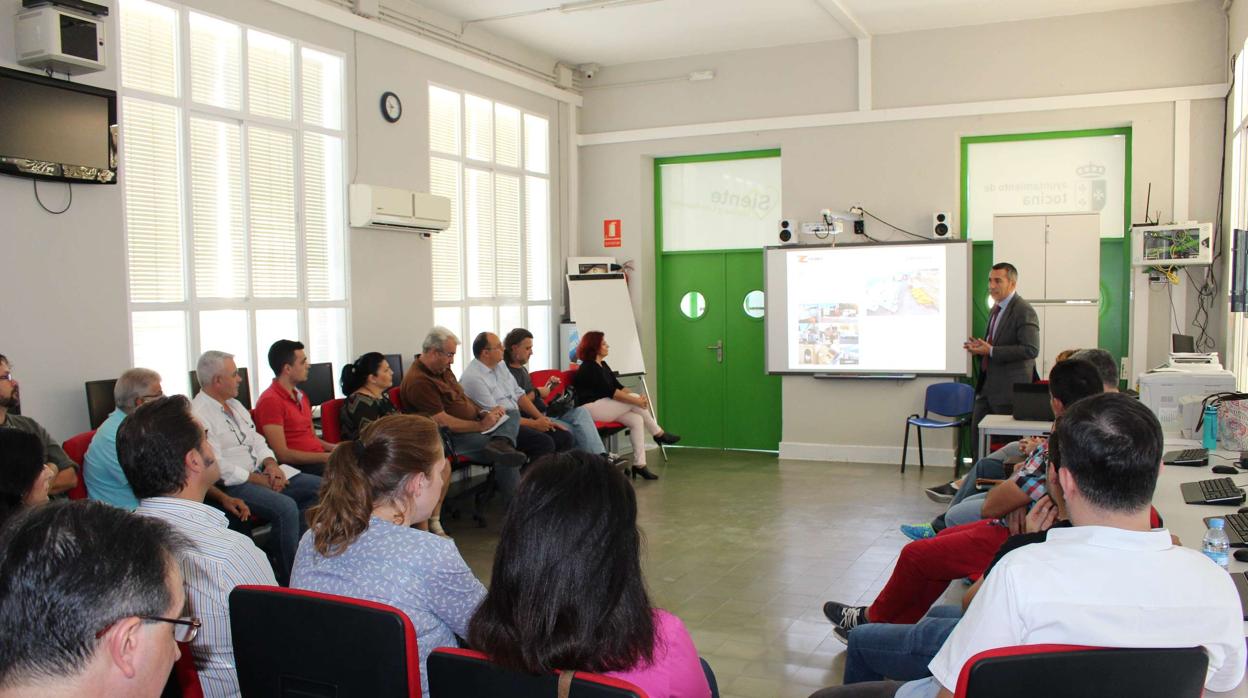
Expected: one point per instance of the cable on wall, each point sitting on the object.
(70, 186)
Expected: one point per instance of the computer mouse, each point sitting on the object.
(1241, 554)
(1225, 470)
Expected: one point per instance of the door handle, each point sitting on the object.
(719, 350)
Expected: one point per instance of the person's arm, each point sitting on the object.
(275, 434)
(475, 388)
(1003, 499)
(67, 470)
(454, 592)
(465, 426)
(64, 481)
(234, 505)
(1026, 340)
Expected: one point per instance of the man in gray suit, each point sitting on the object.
(1007, 353)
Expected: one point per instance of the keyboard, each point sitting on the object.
(1236, 528)
(1188, 456)
(1221, 490)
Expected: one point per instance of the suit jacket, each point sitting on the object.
(1014, 350)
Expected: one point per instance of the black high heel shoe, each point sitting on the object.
(643, 471)
(667, 438)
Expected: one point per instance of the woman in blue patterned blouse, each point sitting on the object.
(360, 542)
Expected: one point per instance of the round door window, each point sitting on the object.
(753, 304)
(693, 305)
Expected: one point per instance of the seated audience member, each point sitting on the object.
(990, 467)
(925, 567)
(102, 471)
(517, 348)
(284, 414)
(365, 383)
(170, 465)
(967, 502)
(1110, 580)
(430, 389)
(24, 477)
(605, 398)
(567, 591)
(10, 398)
(361, 543)
(249, 470)
(489, 384)
(91, 603)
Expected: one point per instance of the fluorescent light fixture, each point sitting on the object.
(599, 4)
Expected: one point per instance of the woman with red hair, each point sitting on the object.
(600, 392)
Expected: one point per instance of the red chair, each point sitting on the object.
(1075, 671)
(393, 394)
(292, 642)
(76, 448)
(459, 673)
(184, 679)
(331, 422)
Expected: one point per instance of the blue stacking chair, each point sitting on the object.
(953, 400)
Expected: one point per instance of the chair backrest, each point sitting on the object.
(566, 378)
(393, 394)
(184, 679)
(320, 383)
(460, 673)
(294, 643)
(1074, 671)
(100, 401)
(244, 387)
(949, 399)
(331, 424)
(396, 366)
(76, 448)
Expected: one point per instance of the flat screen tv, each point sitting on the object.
(57, 130)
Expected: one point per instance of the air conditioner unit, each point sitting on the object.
(383, 208)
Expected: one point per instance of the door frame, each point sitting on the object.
(658, 237)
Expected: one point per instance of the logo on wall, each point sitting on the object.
(1090, 190)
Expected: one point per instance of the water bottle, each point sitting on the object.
(1209, 438)
(1216, 545)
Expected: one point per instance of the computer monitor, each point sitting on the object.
(100, 402)
(1182, 343)
(396, 365)
(244, 388)
(319, 386)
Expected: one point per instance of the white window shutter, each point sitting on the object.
(153, 184)
(216, 61)
(271, 180)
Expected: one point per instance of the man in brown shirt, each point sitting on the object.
(488, 436)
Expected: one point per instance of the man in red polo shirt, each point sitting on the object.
(284, 414)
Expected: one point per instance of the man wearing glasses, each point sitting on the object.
(117, 593)
(101, 469)
(10, 399)
(170, 465)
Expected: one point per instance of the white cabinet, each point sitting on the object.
(1058, 258)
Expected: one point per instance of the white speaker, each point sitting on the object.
(788, 231)
(941, 222)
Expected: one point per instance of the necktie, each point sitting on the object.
(990, 335)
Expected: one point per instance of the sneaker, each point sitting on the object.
(942, 494)
(841, 633)
(616, 460)
(844, 616)
(918, 531)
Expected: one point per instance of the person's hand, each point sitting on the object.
(488, 420)
(543, 424)
(262, 479)
(643, 402)
(1042, 515)
(1016, 521)
(554, 380)
(978, 346)
(559, 425)
(498, 411)
(1027, 444)
(274, 471)
(237, 507)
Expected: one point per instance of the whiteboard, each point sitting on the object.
(600, 302)
(888, 308)
(1042, 176)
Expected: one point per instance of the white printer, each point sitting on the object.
(1174, 391)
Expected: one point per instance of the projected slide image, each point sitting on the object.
(905, 294)
(828, 334)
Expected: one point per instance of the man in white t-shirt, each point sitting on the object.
(1109, 581)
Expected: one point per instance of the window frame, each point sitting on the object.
(192, 304)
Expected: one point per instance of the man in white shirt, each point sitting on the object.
(488, 382)
(249, 470)
(1110, 580)
(170, 466)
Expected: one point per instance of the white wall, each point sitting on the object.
(66, 319)
(904, 170)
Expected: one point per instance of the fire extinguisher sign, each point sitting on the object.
(611, 233)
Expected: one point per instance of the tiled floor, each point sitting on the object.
(745, 548)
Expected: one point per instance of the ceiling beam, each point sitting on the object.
(845, 18)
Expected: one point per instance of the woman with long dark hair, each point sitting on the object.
(365, 383)
(24, 476)
(567, 591)
(360, 542)
(601, 393)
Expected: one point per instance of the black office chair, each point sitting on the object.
(100, 402)
(1071, 671)
(396, 365)
(319, 387)
(460, 673)
(244, 388)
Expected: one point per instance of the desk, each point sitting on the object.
(1004, 424)
(1187, 520)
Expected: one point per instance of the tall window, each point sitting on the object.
(1238, 113)
(491, 268)
(233, 157)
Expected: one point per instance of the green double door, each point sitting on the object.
(714, 389)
